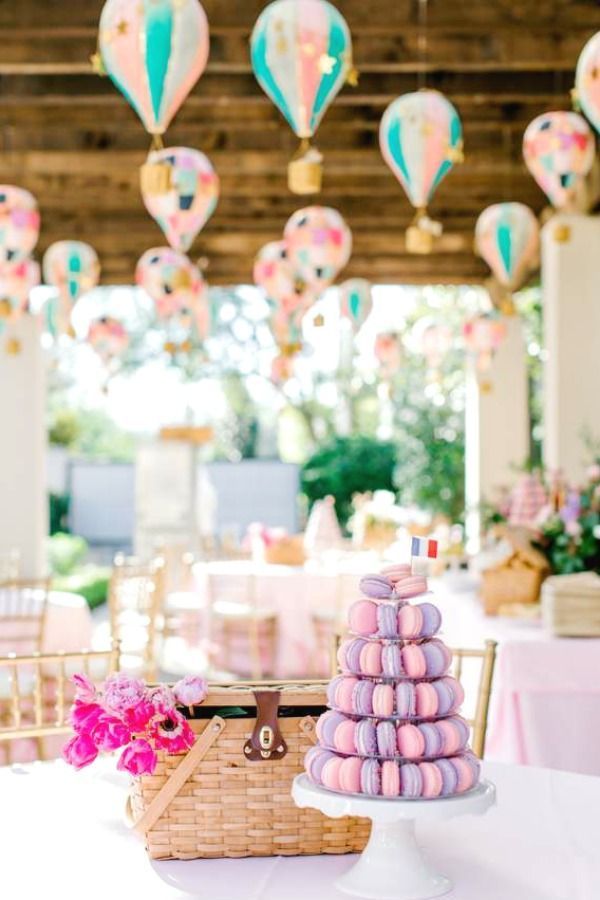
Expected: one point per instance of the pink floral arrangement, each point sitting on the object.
(125, 714)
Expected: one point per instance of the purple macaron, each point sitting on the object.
(411, 780)
(449, 776)
(332, 688)
(353, 651)
(434, 742)
(365, 738)
(432, 619)
(406, 700)
(387, 620)
(445, 697)
(362, 698)
(435, 658)
(314, 761)
(370, 777)
(326, 726)
(378, 587)
(391, 661)
(386, 739)
(463, 727)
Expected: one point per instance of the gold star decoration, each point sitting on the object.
(97, 64)
(326, 64)
(352, 76)
(13, 347)
(281, 44)
(122, 27)
(319, 320)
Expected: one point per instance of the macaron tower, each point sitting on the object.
(392, 728)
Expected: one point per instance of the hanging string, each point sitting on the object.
(422, 45)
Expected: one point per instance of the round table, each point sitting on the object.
(63, 835)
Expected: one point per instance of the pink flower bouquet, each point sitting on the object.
(125, 714)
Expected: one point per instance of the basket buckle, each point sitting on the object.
(266, 738)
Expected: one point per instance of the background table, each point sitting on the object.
(68, 623)
(63, 836)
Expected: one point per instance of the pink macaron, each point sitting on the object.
(465, 774)
(344, 692)
(349, 775)
(410, 621)
(396, 572)
(410, 586)
(432, 780)
(411, 743)
(390, 778)
(370, 659)
(344, 737)
(326, 727)
(426, 699)
(414, 661)
(362, 617)
(330, 773)
(383, 700)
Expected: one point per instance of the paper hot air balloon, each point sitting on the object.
(319, 244)
(108, 337)
(180, 189)
(273, 272)
(72, 267)
(587, 80)
(483, 335)
(436, 342)
(356, 301)
(507, 237)
(19, 223)
(17, 279)
(421, 138)
(388, 350)
(171, 280)
(559, 150)
(154, 51)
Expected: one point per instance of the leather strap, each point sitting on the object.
(266, 741)
(184, 770)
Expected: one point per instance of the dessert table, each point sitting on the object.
(63, 835)
(68, 623)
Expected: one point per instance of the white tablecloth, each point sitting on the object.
(68, 623)
(63, 837)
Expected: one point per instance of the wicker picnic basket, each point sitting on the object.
(571, 605)
(230, 795)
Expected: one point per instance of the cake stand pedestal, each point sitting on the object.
(392, 866)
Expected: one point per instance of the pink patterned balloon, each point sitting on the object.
(19, 223)
(72, 267)
(274, 273)
(108, 337)
(388, 350)
(483, 335)
(17, 279)
(186, 200)
(587, 80)
(319, 244)
(436, 342)
(559, 150)
(172, 281)
(154, 51)
(507, 237)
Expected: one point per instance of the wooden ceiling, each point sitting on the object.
(69, 136)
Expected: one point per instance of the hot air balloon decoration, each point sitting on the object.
(301, 53)
(273, 272)
(17, 279)
(587, 80)
(507, 237)
(72, 267)
(180, 189)
(421, 139)
(282, 368)
(435, 344)
(559, 150)
(319, 244)
(19, 223)
(388, 351)
(483, 334)
(356, 302)
(154, 51)
(108, 337)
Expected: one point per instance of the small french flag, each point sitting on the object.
(421, 551)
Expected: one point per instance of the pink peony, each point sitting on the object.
(163, 699)
(84, 716)
(573, 528)
(593, 473)
(138, 717)
(80, 751)
(172, 734)
(191, 690)
(138, 758)
(84, 689)
(121, 692)
(110, 733)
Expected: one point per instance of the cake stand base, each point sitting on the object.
(392, 865)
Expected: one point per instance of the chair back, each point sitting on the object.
(135, 604)
(23, 606)
(36, 692)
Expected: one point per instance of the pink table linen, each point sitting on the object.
(68, 623)
(63, 836)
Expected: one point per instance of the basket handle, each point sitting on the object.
(308, 727)
(175, 782)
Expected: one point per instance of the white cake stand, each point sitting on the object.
(392, 866)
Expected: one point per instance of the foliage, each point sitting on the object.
(91, 433)
(346, 466)
(570, 536)
(58, 512)
(64, 429)
(65, 553)
(89, 581)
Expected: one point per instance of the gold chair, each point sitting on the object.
(39, 693)
(327, 622)
(486, 659)
(135, 606)
(182, 608)
(23, 607)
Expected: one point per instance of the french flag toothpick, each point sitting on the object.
(421, 551)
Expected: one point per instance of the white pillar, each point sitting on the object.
(23, 500)
(496, 425)
(571, 291)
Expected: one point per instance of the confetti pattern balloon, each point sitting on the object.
(507, 236)
(180, 189)
(274, 273)
(301, 55)
(154, 51)
(71, 267)
(319, 244)
(108, 337)
(388, 350)
(420, 138)
(587, 80)
(356, 301)
(483, 335)
(559, 150)
(19, 223)
(17, 279)
(436, 341)
(172, 281)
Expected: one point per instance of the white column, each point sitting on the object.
(23, 500)
(496, 425)
(571, 291)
